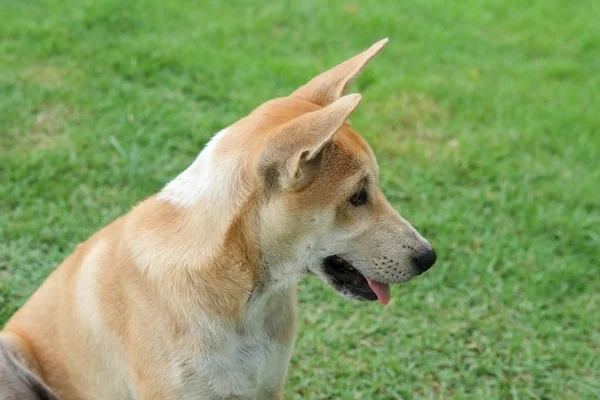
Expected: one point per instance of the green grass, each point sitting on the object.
(486, 119)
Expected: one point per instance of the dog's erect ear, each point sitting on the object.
(296, 149)
(330, 85)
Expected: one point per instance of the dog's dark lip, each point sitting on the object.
(345, 276)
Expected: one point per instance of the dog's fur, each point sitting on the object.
(17, 382)
(192, 293)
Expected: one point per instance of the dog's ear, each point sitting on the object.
(330, 85)
(293, 157)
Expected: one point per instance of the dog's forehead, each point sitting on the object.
(355, 146)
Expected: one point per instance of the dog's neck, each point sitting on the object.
(211, 191)
(201, 227)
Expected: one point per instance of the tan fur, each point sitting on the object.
(191, 294)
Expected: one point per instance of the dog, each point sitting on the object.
(191, 294)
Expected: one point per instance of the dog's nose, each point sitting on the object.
(425, 259)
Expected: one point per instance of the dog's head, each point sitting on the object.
(305, 187)
(322, 209)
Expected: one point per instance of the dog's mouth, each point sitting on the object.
(347, 279)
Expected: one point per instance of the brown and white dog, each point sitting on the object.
(192, 293)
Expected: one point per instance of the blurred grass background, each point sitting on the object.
(485, 117)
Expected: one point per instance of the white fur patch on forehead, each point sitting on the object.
(200, 178)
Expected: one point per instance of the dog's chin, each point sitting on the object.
(346, 279)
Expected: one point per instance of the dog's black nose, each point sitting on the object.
(425, 259)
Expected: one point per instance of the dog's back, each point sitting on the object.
(17, 382)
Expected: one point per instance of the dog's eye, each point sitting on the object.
(359, 198)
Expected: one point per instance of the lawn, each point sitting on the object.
(486, 120)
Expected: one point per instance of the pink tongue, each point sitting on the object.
(381, 290)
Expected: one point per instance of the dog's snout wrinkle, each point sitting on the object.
(425, 259)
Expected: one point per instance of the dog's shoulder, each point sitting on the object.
(17, 382)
